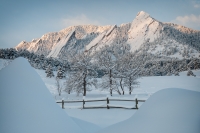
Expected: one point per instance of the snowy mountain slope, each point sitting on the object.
(143, 29)
(167, 111)
(28, 107)
(112, 36)
(56, 49)
(45, 44)
(95, 42)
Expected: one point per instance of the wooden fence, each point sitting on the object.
(108, 106)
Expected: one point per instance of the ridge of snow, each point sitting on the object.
(111, 29)
(95, 41)
(169, 110)
(142, 15)
(28, 107)
(20, 44)
(57, 48)
(26, 104)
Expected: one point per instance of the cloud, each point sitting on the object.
(196, 5)
(191, 21)
(79, 20)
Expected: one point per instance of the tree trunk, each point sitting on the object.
(110, 75)
(59, 91)
(121, 86)
(84, 85)
(118, 92)
(130, 88)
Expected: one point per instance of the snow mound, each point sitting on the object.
(167, 111)
(26, 104)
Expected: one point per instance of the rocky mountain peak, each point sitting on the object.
(142, 29)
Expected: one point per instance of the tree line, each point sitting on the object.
(111, 68)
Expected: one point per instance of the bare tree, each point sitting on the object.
(58, 86)
(105, 59)
(128, 71)
(82, 75)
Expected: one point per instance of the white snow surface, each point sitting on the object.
(155, 83)
(167, 111)
(28, 107)
(4, 63)
(107, 117)
(57, 48)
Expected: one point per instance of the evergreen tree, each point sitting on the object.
(60, 73)
(49, 72)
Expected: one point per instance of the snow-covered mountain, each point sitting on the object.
(144, 34)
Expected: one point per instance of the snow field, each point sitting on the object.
(28, 107)
(167, 111)
(100, 117)
(106, 117)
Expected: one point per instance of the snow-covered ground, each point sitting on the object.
(15, 79)
(4, 63)
(28, 107)
(167, 111)
(104, 117)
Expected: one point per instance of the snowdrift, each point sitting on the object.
(28, 107)
(167, 111)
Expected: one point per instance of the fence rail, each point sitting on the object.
(108, 106)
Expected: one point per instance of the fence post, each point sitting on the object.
(62, 104)
(136, 103)
(107, 103)
(83, 103)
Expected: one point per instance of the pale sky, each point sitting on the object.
(28, 19)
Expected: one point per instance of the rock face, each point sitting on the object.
(145, 31)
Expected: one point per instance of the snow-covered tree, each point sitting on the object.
(176, 73)
(59, 87)
(130, 70)
(83, 74)
(60, 73)
(49, 72)
(9, 53)
(106, 60)
(190, 73)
